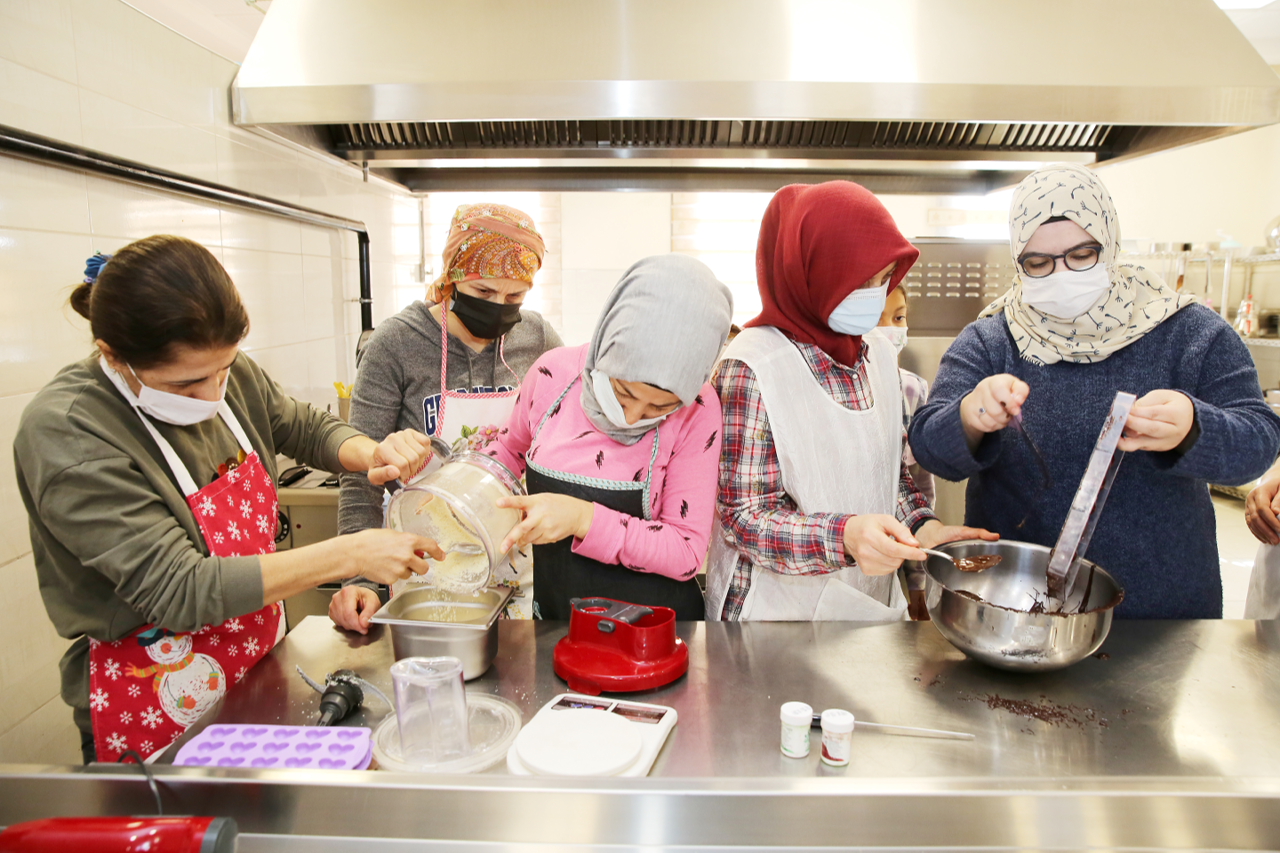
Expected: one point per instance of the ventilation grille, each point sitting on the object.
(830, 135)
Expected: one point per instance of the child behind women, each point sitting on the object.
(915, 391)
(915, 388)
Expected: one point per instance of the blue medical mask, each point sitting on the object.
(860, 311)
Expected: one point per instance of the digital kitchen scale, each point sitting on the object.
(575, 735)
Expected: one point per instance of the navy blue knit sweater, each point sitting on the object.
(1157, 533)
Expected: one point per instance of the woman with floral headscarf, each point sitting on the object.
(455, 380)
(816, 508)
(1076, 327)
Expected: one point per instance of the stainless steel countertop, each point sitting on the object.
(1163, 699)
(1193, 764)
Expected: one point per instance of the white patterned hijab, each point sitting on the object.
(1138, 301)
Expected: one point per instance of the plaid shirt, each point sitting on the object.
(768, 528)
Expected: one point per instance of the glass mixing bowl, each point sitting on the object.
(456, 505)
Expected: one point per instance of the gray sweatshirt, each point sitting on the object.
(398, 387)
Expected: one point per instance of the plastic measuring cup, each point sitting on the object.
(431, 709)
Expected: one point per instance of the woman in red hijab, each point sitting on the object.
(816, 509)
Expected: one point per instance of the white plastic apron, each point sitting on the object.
(832, 459)
(1263, 598)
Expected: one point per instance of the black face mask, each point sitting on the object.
(484, 319)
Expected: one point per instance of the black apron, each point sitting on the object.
(559, 574)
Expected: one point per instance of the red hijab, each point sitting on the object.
(817, 245)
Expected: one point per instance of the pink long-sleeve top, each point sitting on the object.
(672, 540)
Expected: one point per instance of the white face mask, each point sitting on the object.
(176, 409)
(860, 311)
(1066, 294)
(612, 408)
(897, 336)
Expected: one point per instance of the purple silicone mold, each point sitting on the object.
(288, 747)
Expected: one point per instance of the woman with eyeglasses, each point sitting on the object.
(1077, 326)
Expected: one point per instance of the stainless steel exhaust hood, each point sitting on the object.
(901, 95)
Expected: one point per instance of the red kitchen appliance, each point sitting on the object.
(121, 835)
(617, 647)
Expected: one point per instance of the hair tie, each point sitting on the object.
(93, 267)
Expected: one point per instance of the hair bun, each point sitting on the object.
(93, 267)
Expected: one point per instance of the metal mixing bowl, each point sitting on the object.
(985, 614)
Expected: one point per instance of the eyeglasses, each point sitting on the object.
(1079, 259)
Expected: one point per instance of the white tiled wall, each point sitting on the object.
(602, 234)
(98, 73)
(1226, 188)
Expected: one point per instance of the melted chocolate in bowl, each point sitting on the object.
(978, 563)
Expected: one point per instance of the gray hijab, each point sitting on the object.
(663, 324)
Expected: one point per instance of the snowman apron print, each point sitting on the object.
(146, 688)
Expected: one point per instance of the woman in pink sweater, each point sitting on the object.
(620, 442)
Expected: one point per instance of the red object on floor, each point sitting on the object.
(121, 835)
(616, 647)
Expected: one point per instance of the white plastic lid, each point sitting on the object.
(837, 721)
(797, 714)
(494, 723)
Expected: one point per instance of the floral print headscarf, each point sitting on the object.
(490, 241)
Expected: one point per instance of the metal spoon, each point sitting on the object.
(979, 563)
(465, 550)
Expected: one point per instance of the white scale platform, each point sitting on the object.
(574, 735)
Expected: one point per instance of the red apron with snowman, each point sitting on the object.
(147, 688)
